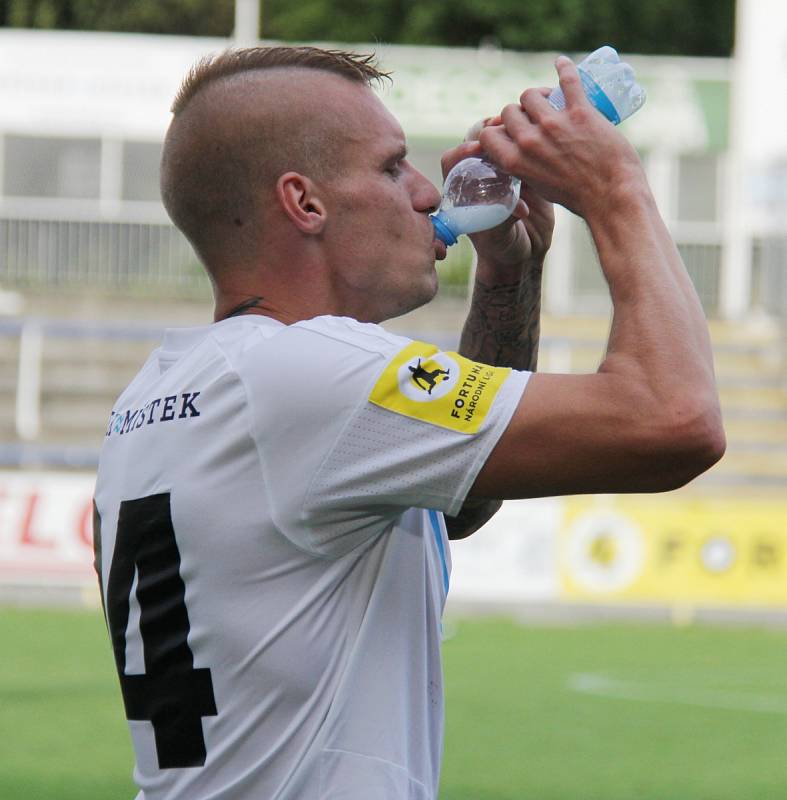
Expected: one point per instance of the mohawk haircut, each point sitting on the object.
(356, 67)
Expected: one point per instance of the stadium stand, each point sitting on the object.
(59, 378)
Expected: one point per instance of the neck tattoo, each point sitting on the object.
(246, 305)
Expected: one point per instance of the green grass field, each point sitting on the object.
(641, 712)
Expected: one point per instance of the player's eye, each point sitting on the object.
(395, 169)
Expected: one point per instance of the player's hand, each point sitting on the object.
(574, 157)
(524, 238)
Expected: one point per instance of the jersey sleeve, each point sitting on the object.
(355, 425)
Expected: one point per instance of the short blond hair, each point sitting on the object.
(360, 68)
(225, 149)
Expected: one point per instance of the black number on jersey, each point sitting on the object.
(172, 694)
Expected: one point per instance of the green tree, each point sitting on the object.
(512, 23)
(191, 17)
(337, 20)
(696, 27)
(687, 27)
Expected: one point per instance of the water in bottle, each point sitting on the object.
(476, 197)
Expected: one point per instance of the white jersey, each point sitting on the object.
(273, 559)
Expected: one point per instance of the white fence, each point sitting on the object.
(99, 254)
(155, 257)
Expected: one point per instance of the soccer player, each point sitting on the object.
(270, 534)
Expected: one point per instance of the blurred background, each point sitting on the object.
(648, 656)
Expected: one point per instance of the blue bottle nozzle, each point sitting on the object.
(442, 231)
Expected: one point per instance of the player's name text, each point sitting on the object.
(162, 409)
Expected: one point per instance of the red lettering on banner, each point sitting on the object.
(27, 531)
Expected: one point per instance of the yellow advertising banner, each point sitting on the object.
(675, 549)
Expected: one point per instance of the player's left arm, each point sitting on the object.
(503, 324)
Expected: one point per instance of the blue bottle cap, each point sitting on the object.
(443, 231)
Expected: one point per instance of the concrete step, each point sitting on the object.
(750, 364)
(80, 420)
(753, 398)
(75, 436)
(104, 380)
(83, 372)
(78, 351)
(7, 429)
(761, 464)
(756, 428)
(587, 357)
(8, 384)
(9, 349)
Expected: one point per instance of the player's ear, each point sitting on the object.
(299, 200)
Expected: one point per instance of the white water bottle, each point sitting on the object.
(609, 84)
(476, 197)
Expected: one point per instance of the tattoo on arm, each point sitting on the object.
(503, 325)
(502, 329)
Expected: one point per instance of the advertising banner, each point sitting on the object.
(670, 550)
(46, 528)
(513, 558)
(675, 550)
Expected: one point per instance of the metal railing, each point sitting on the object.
(57, 253)
(29, 447)
(769, 275)
(35, 348)
(155, 257)
(700, 247)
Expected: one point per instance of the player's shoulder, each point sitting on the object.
(309, 355)
(324, 336)
(348, 333)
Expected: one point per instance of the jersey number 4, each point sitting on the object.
(171, 694)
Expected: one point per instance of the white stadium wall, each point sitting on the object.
(96, 105)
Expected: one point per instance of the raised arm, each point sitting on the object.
(649, 419)
(503, 323)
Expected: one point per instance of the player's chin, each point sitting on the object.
(430, 277)
(422, 291)
(430, 285)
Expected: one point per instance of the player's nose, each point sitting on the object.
(426, 196)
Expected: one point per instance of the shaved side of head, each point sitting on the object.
(241, 120)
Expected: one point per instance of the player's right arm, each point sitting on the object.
(648, 419)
